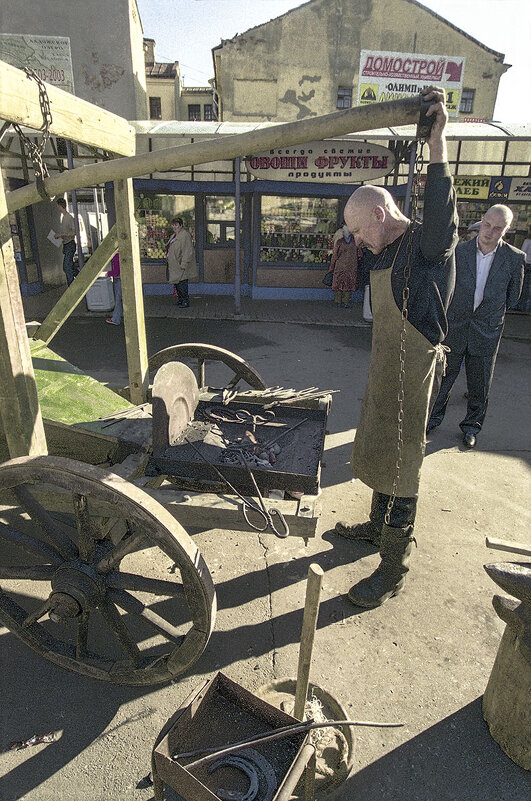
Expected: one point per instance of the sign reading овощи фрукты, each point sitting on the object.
(332, 161)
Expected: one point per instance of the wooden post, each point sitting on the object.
(78, 288)
(311, 610)
(19, 403)
(133, 299)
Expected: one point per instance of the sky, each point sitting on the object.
(187, 30)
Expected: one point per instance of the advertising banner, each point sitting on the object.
(48, 56)
(520, 189)
(332, 161)
(472, 187)
(386, 75)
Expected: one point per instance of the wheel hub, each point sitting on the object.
(76, 588)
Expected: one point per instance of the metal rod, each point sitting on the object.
(237, 215)
(287, 731)
(309, 623)
(411, 174)
(70, 162)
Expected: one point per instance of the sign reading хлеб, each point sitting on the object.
(334, 161)
(387, 76)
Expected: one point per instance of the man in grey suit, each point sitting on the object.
(489, 277)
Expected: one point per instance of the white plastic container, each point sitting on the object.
(100, 296)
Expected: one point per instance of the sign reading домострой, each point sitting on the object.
(48, 56)
(387, 76)
(345, 161)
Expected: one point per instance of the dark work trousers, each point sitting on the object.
(69, 249)
(479, 371)
(182, 292)
(402, 514)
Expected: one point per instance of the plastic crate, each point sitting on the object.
(100, 296)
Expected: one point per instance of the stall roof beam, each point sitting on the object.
(339, 123)
(72, 117)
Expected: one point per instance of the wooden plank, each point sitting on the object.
(133, 298)
(339, 123)
(72, 117)
(200, 511)
(78, 288)
(19, 402)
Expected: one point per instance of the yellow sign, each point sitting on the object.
(452, 100)
(368, 93)
(468, 187)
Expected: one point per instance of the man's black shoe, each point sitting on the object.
(469, 440)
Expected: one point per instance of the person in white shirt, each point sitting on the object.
(489, 278)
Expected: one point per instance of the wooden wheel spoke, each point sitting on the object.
(82, 636)
(85, 529)
(30, 544)
(120, 630)
(27, 572)
(114, 557)
(131, 581)
(133, 606)
(53, 533)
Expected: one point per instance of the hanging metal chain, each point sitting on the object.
(419, 163)
(36, 150)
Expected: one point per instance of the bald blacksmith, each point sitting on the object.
(427, 252)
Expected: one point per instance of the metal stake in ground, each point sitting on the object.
(309, 622)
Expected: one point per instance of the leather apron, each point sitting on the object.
(375, 449)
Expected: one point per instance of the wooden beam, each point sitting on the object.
(72, 117)
(196, 510)
(352, 120)
(133, 299)
(78, 288)
(19, 403)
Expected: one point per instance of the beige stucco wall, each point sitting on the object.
(105, 42)
(165, 89)
(292, 66)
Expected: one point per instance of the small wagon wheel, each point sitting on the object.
(108, 563)
(203, 353)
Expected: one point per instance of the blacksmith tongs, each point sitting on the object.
(266, 513)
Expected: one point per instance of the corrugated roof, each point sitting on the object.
(455, 130)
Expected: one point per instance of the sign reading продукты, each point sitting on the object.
(387, 76)
(334, 161)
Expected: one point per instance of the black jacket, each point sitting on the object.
(432, 270)
(479, 331)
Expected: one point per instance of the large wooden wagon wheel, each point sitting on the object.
(117, 578)
(201, 353)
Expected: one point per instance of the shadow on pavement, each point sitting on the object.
(456, 759)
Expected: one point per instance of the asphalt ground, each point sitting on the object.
(423, 658)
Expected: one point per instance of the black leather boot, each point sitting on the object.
(371, 529)
(389, 577)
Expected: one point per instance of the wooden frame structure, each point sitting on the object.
(80, 121)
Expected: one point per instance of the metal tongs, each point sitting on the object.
(261, 509)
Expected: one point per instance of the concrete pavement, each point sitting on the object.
(423, 659)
